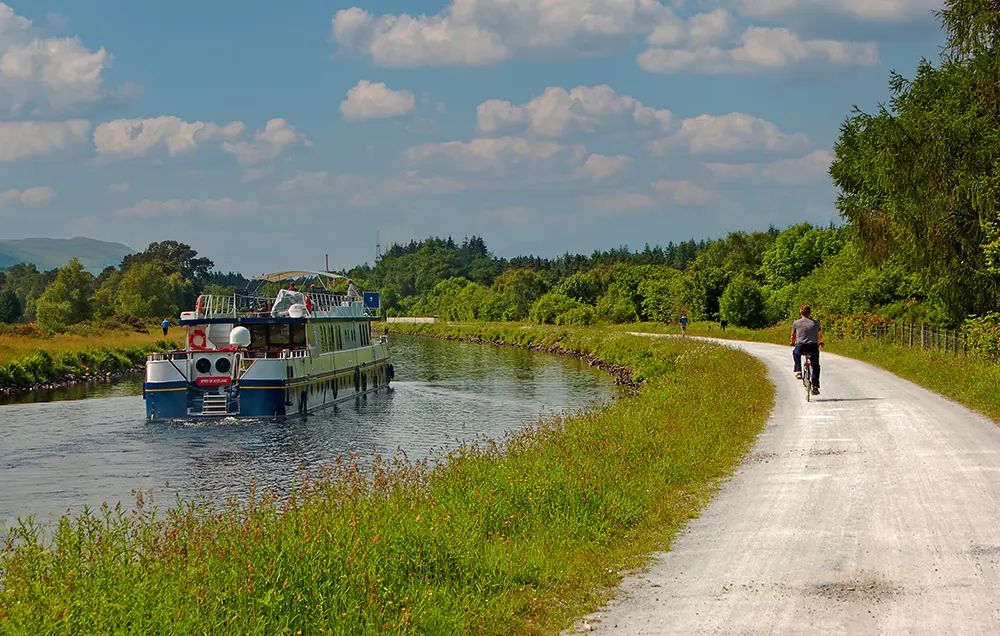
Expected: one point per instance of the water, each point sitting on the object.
(60, 454)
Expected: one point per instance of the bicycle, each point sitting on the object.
(807, 372)
(807, 369)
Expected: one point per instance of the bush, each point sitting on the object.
(742, 303)
(582, 315)
(982, 335)
(546, 309)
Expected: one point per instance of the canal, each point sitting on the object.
(88, 445)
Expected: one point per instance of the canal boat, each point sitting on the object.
(251, 356)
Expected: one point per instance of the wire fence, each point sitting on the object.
(923, 336)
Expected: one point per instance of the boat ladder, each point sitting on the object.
(213, 404)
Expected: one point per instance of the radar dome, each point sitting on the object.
(239, 337)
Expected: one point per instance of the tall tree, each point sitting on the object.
(919, 179)
(67, 300)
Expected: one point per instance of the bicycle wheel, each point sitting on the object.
(807, 381)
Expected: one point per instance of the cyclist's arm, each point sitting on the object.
(793, 335)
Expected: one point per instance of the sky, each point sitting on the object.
(267, 135)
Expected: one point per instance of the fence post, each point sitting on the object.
(911, 334)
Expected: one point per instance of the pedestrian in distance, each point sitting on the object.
(723, 324)
(166, 325)
(684, 324)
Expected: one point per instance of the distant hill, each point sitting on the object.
(47, 253)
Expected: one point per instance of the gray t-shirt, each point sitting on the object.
(806, 330)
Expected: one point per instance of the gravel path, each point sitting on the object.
(871, 510)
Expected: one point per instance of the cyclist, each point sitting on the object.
(807, 338)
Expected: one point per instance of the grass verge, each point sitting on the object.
(513, 537)
(43, 365)
(13, 347)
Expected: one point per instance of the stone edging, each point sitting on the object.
(71, 380)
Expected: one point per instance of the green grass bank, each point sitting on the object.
(515, 536)
(972, 381)
(42, 367)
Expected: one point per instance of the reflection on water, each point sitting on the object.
(60, 455)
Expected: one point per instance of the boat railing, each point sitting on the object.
(242, 306)
(164, 357)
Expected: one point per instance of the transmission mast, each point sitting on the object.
(378, 247)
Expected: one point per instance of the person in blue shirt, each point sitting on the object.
(165, 325)
(684, 324)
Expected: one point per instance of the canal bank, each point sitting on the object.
(514, 536)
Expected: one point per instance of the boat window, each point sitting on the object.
(258, 337)
(280, 335)
(298, 335)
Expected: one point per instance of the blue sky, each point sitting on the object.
(268, 135)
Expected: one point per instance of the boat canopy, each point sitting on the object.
(277, 277)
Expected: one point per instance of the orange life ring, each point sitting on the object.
(198, 335)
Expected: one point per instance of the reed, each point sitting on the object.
(518, 535)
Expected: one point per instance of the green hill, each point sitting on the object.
(47, 253)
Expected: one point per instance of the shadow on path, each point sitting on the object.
(866, 399)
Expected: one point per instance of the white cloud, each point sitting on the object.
(871, 10)
(557, 112)
(703, 28)
(32, 197)
(618, 203)
(22, 139)
(304, 181)
(685, 192)
(763, 49)
(223, 208)
(808, 169)
(479, 32)
(499, 156)
(42, 75)
(735, 132)
(268, 144)
(367, 101)
(599, 167)
(138, 137)
(118, 188)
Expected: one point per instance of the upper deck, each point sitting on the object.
(211, 307)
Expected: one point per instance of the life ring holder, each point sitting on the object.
(197, 336)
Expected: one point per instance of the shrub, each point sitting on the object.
(583, 315)
(545, 310)
(743, 304)
(982, 335)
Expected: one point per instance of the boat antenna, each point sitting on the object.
(327, 270)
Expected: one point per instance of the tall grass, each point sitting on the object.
(514, 536)
(42, 366)
(14, 346)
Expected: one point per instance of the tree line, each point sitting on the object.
(158, 282)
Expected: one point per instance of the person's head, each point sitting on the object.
(805, 310)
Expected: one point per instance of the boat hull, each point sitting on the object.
(271, 398)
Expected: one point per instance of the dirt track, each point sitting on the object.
(872, 510)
